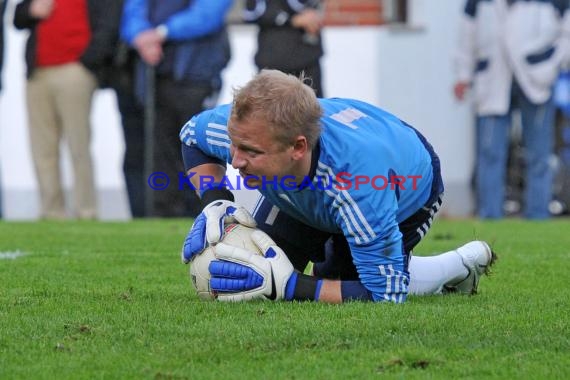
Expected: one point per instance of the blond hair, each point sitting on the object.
(284, 102)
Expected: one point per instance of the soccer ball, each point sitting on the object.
(236, 235)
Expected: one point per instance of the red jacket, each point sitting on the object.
(104, 17)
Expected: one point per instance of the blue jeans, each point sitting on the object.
(492, 148)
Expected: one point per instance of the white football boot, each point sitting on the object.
(478, 258)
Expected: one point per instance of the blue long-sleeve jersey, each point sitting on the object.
(373, 171)
(197, 19)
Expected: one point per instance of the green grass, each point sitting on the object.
(112, 301)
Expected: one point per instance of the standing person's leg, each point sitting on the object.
(538, 139)
(45, 137)
(491, 159)
(194, 99)
(75, 86)
(176, 102)
(132, 120)
(166, 154)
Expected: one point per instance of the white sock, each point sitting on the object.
(428, 274)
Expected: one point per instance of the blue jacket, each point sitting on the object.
(197, 47)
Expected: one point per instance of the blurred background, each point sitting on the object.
(397, 54)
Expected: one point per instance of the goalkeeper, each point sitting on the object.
(319, 166)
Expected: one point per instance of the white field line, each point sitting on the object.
(11, 255)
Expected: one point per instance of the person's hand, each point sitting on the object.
(311, 20)
(149, 46)
(241, 275)
(460, 89)
(41, 9)
(208, 228)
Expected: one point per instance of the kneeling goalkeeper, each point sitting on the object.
(312, 160)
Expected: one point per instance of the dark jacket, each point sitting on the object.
(280, 45)
(104, 16)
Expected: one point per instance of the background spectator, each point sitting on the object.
(132, 122)
(510, 54)
(289, 37)
(67, 52)
(187, 44)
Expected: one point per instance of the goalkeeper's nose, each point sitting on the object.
(238, 160)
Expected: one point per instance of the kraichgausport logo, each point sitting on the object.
(342, 181)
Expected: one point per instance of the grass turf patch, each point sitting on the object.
(112, 300)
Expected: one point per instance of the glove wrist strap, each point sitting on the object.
(216, 192)
(302, 287)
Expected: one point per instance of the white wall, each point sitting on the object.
(416, 81)
(406, 71)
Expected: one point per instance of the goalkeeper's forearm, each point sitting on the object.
(309, 288)
(206, 179)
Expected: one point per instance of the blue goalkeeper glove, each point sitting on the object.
(208, 227)
(241, 275)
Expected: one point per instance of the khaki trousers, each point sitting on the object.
(59, 107)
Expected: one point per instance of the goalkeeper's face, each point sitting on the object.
(260, 158)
